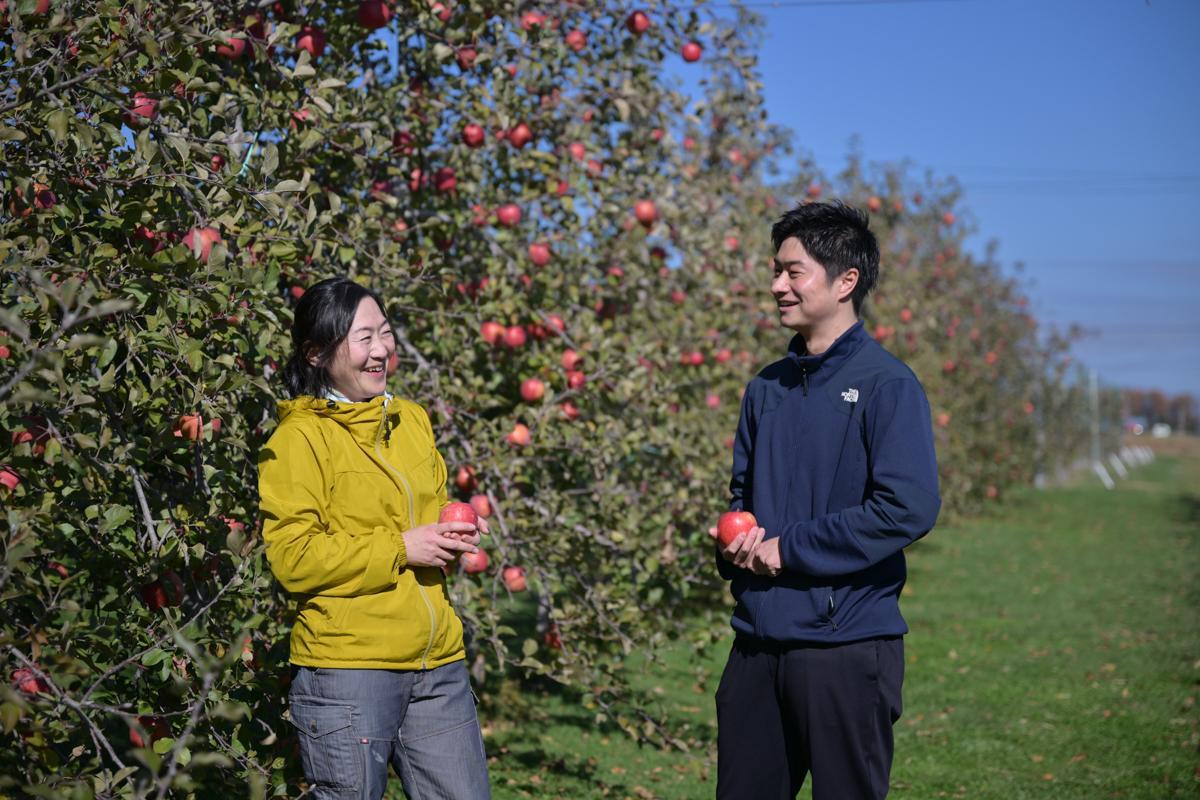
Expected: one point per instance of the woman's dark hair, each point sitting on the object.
(322, 320)
(836, 236)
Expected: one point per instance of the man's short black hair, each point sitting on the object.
(836, 236)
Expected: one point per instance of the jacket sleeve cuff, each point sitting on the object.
(401, 560)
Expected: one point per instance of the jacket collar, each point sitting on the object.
(824, 365)
(365, 421)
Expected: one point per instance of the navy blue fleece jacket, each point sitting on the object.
(834, 455)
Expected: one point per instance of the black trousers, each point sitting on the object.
(783, 712)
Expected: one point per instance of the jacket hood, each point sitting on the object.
(363, 420)
(826, 364)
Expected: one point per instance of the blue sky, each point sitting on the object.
(1073, 126)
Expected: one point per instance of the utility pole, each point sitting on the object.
(1097, 464)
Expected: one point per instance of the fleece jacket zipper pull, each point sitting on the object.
(804, 380)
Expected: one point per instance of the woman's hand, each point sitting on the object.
(440, 543)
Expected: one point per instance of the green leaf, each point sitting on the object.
(57, 122)
(163, 745)
(270, 160)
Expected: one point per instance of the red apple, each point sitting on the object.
(508, 214)
(874, 204)
(712, 400)
(942, 420)
(646, 212)
(519, 436)
(539, 254)
(552, 637)
(570, 359)
(142, 109)
(732, 524)
(202, 238)
(155, 727)
(569, 410)
(576, 379)
(28, 681)
(402, 143)
(445, 180)
(458, 512)
(556, 324)
(474, 563)
(531, 20)
(311, 39)
(473, 135)
(232, 49)
(948, 218)
(373, 14)
(576, 40)
(577, 150)
(532, 390)
(9, 479)
(637, 23)
(520, 136)
(514, 579)
(466, 57)
(492, 332)
(723, 355)
(465, 478)
(43, 198)
(482, 505)
(216, 163)
(691, 52)
(190, 427)
(514, 337)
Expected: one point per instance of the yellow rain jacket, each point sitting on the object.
(338, 484)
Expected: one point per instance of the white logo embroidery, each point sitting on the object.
(850, 395)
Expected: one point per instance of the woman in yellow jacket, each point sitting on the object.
(351, 484)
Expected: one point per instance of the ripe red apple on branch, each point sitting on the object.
(311, 39)
(514, 579)
(734, 523)
(637, 23)
(482, 505)
(28, 681)
(532, 390)
(373, 14)
(474, 563)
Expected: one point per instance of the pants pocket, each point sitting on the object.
(327, 743)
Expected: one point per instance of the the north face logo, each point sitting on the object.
(850, 395)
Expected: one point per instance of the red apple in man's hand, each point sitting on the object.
(734, 523)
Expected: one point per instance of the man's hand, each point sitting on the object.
(741, 548)
(765, 559)
(750, 551)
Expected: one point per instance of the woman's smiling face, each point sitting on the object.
(358, 369)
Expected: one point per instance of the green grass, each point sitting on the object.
(1054, 653)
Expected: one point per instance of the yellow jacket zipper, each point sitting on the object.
(411, 521)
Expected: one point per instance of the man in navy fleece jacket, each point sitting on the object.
(834, 457)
